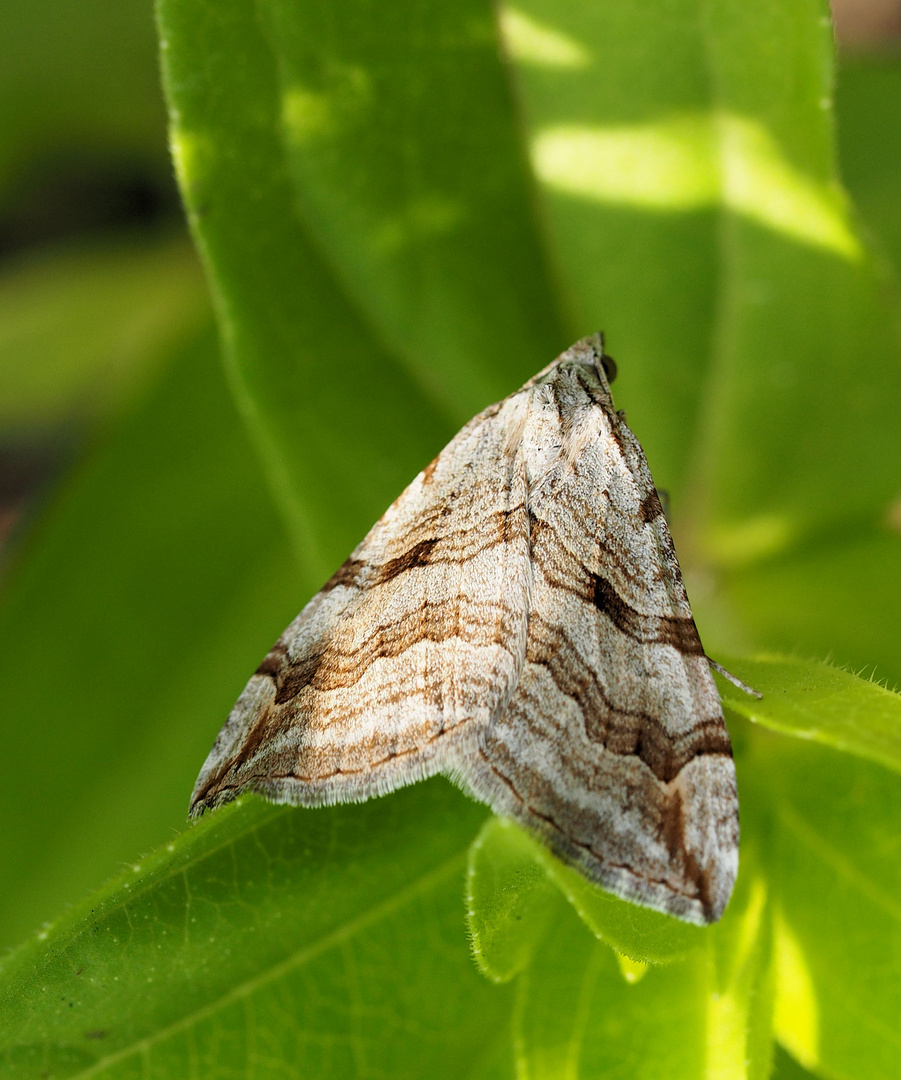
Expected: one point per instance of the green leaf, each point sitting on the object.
(687, 166)
(267, 938)
(639, 933)
(831, 856)
(828, 598)
(814, 701)
(400, 135)
(786, 1068)
(867, 101)
(136, 612)
(510, 899)
(514, 888)
(317, 310)
(708, 1014)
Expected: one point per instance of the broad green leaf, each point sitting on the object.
(831, 856)
(815, 701)
(85, 331)
(706, 1015)
(151, 589)
(686, 161)
(271, 941)
(400, 135)
(315, 354)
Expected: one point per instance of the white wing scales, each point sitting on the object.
(613, 747)
(413, 645)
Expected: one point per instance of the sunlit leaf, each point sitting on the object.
(708, 1014)
(815, 701)
(832, 858)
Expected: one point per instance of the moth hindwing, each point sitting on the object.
(517, 621)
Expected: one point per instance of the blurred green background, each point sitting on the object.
(156, 542)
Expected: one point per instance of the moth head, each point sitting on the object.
(602, 362)
(590, 352)
(586, 353)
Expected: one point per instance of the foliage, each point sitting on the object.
(400, 222)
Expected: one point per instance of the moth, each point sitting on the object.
(517, 621)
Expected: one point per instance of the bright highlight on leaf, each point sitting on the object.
(687, 162)
(796, 1015)
(632, 971)
(529, 41)
(752, 538)
(730, 1003)
(665, 166)
(349, 98)
(306, 114)
(190, 153)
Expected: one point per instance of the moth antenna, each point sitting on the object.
(734, 679)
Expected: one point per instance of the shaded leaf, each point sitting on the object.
(315, 354)
(512, 891)
(827, 599)
(83, 333)
(513, 888)
(401, 139)
(786, 1068)
(156, 581)
(867, 100)
(639, 933)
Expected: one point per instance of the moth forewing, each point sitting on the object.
(389, 672)
(518, 621)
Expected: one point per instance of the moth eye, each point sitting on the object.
(609, 367)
